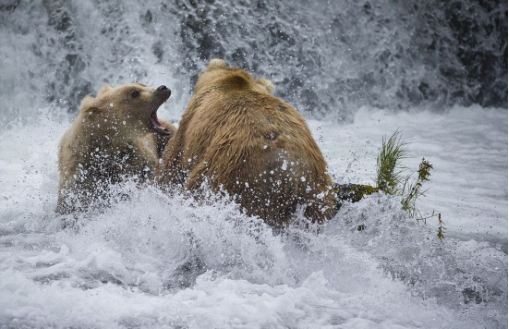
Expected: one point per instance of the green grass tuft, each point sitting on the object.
(388, 169)
(394, 179)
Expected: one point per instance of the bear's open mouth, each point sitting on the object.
(157, 125)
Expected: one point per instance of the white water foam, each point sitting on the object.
(155, 260)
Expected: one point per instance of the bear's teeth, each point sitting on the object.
(157, 125)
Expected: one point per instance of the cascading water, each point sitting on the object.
(326, 57)
(437, 69)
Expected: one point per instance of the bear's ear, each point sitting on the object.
(216, 63)
(267, 84)
(104, 89)
(87, 102)
(89, 107)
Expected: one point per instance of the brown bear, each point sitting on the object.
(237, 137)
(114, 136)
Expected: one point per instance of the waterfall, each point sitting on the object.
(328, 58)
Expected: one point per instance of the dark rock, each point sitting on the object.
(148, 16)
(9, 6)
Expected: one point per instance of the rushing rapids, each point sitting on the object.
(149, 259)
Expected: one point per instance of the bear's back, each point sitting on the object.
(236, 136)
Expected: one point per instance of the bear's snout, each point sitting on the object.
(163, 88)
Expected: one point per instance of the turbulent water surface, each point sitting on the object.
(158, 260)
(357, 70)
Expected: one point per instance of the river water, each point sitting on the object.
(358, 71)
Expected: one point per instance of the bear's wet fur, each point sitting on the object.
(115, 136)
(237, 137)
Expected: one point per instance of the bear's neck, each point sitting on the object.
(112, 134)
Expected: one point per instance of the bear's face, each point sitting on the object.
(218, 74)
(127, 109)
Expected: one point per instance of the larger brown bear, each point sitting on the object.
(236, 136)
(115, 136)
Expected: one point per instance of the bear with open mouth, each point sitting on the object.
(116, 135)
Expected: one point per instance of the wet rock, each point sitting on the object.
(9, 6)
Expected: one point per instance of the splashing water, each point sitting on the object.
(153, 260)
(326, 57)
(157, 260)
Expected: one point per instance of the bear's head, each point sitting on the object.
(132, 107)
(219, 75)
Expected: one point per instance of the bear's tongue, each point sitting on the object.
(157, 125)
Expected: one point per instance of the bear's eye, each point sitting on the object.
(135, 94)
